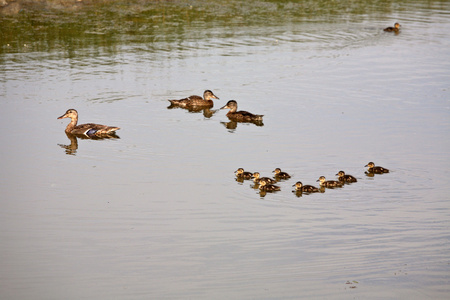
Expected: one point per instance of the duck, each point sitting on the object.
(241, 173)
(345, 177)
(240, 116)
(299, 187)
(329, 183)
(396, 28)
(195, 100)
(375, 169)
(89, 129)
(280, 174)
(266, 187)
(257, 178)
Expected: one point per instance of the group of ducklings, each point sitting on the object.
(267, 184)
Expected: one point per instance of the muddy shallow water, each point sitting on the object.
(158, 212)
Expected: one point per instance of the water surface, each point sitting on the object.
(157, 212)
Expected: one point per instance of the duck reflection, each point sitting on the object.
(72, 148)
(207, 111)
(232, 125)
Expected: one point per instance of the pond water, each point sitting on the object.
(158, 213)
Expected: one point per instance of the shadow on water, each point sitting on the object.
(71, 149)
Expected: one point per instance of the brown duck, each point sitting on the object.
(89, 129)
(329, 183)
(242, 115)
(195, 100)
(345, 177)
(396, 28)
(371, 168)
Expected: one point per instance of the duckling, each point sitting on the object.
(195, 100)
(329, 183)
(281, 175)
(88, 129)
(240, 116)
(299, 187)
(375, 169)
(241, 173)
(257, 179)
(345, 178)
(396, 28)
(266, 187)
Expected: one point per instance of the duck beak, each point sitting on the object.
(225, 106)
(63, 116)
(214, 97)
(366, 166)
(317, 180)
(336, 174)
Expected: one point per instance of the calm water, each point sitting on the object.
(157, 213)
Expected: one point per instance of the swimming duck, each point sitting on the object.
(345, 178)
(240, 116)
(195, 100)
(281, 175)
(241, 173)
(257, 179)
(88, 129)
(375, 169)
(396, 28)
(299, 187)
(329, 183)
(266, 187)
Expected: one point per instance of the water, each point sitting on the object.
(157, 212)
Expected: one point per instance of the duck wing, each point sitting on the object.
(93, 129)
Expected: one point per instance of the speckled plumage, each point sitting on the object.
(299, 187)
(240, 116)
(195, 100)
(329, 183)
(88, 129)
(371, 168)
(345, 177)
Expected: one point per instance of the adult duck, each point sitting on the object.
(240, 116)
(396, 28)
(195, 100)
(89, 129)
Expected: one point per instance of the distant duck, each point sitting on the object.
(376, 169)
(266, 187)
(240, 116)
(281, 175)
(242, 174)
(88, 129)
(345, 178)
(299, 187)
(329, 183)
(396, 28)
(257, 178)
(196, 100)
